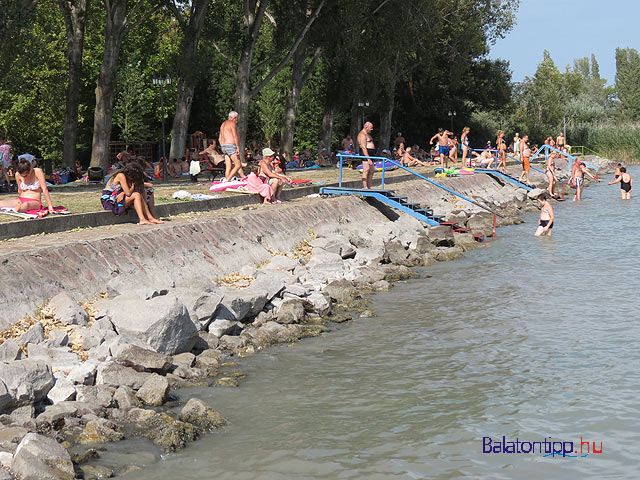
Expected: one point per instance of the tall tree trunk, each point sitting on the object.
(386, 114)
(75, 15)
(244, 93)
(327, 126)
(105, 90)
(298, 79)
(385, 127)
(188, 78)
(243, 99)
(356, 125)
(291, 103)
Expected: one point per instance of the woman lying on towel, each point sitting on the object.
(31, 186)
(126, 189)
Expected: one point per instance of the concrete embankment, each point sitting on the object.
(181, 297)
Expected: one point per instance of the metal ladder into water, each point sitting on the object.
(388, 197)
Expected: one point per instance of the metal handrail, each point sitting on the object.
(393, 162)
(583, 148)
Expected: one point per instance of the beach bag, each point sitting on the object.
(194, 167)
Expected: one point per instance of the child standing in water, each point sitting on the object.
(546, 217)
(626, 183)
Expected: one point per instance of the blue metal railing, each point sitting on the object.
(386, 160)
(495, 156)
(571, 158)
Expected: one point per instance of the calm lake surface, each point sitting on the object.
(530, 338)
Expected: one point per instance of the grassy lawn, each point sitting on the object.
(88, 200)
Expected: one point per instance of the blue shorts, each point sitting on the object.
(444, 150)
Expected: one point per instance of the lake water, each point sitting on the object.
(530, 338)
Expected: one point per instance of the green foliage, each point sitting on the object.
(628, 83)
(270, 104)
(133, 104)
(32, 89)
(620, 142)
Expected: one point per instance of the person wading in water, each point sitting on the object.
(626, 183)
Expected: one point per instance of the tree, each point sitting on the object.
(75, 16)
(628, 82)
(118, 22)
(191, 24)
(245, 70)
(132, 105)
(540, 105)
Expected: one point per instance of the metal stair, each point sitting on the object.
(389, 198)
(505, 176)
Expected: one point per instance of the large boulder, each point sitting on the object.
(280, 262)
(535, 193)
(291, 311)
(35, 334)
(10, 351)
(240, 303)
(481, 222)
(201, 415)
(67, 310)
(342, 291)
(6, 400)
(62, 391)
(202, 298)
(62, 358)
(113, 374)
(441, 236)
(163, 322)
(143, 360)
(26, 381)
(41, 458)
(224, 327)
(154, 391)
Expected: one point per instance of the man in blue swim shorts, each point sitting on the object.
(443, 146)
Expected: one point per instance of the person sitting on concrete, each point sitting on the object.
(174, 169)
(259, 185)
(126, 189)
(266, 171)
(410, 161)
(31, 186)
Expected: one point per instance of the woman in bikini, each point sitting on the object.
(125, 189)
(626, 184)
(502, 151)
(464, 140)
(551, 175)
(399, 153)
(31, 187)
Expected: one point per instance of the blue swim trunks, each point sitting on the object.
(444, 150)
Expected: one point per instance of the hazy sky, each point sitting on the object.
(594, 26)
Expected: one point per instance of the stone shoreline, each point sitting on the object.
(76, 375)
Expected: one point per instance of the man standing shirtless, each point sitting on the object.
(560, 142)
(229, 145)
(525, 155)
(443, 146)
(578, 172)
(367, 149)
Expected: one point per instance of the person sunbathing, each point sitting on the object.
(174, 169)
(485, 159)
(31, 186)
(409, 161)
(126, 188)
